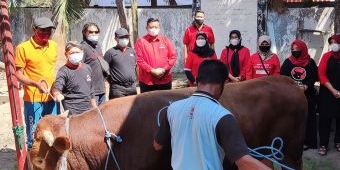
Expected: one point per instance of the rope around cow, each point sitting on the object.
(276, 153)
(108, 136)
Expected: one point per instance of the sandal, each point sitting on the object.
(337, 147)
(322, 150)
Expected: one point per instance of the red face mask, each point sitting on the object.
(42, 37)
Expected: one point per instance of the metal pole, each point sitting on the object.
(12, 83)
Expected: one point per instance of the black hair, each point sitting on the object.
(237, 32)
(203, 34)
(151, 20)
(212, 71)
(86, 26)
(199, 11)
(72, 44)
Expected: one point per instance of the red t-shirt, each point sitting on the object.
(255, 69)
(193, 62)
(152, 53)
(322, 70)
(243, 54)
(190, 35)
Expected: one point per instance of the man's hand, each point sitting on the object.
(59, 97)
(157, 146)
(158, 72)
(42, 86)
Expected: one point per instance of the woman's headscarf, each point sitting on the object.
(334, 37)
(235, 61)
(303, 59)
(264, 55)
(204, 51)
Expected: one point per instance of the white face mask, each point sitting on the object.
(234, 41)
(334, 47)
(75, 58)
(153, 31)
(93, 38)
(200, 42)
(123, 42)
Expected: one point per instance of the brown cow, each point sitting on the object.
(265, 108)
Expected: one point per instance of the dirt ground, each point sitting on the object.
(312, 161)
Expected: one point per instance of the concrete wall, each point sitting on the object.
(313, 25)
(171, 25)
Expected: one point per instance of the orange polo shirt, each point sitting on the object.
(38, 63)
(158, 52)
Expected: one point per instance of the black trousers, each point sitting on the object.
(117, 91)
(311, 125)
(145, 88)
(325, 129)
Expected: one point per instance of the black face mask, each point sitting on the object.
(199, 21)
(264, 48)
(296, 54)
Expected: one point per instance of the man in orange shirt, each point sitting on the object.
(35, 68)
(156, 55)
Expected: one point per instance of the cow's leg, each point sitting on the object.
(296, 164)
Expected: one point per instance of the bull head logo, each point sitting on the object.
(298, 74)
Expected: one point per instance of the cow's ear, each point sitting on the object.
(62, 144)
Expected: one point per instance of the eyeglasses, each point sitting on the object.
(91, 32)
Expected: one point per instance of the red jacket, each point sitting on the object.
(243, 54)
(152, 53)
(193, 62)
(255, 69)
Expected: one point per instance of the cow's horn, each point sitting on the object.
(48, 137)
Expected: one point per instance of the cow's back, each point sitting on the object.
(267, 108)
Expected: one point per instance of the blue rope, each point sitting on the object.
(159, 114)
(276, 153)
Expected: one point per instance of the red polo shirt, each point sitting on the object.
(243, 54)
(190, 35)
(255, 69)
(155, 52)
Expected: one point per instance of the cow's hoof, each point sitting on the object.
(322, 150)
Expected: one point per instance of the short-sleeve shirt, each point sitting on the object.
(38, 62)
(194, 126)
(255, 69)
(76, 86)
(90, 58)
(122, 64)
(190, 35)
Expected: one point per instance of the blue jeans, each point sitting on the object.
(33, 111)
(100, 99)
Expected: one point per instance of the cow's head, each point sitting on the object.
(50, 142)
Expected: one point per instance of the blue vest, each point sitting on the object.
(193, 139)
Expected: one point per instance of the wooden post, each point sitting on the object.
(13, 89)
